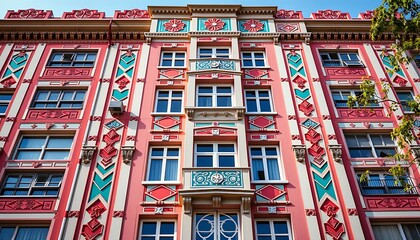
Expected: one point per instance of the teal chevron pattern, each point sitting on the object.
(388, 66)
(126, 65)
(16, 66)
(303, 94)
(324, 185)
(120, 95)
(296, 65)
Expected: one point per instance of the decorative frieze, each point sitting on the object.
(220, 178)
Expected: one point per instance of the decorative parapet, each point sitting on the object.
(330, 15)
(219, 178)
(87, 154)
(336, 151)
(132, 14)
(219, 113)
(215, 64)
(300, 152)
(127, 153)
(366, 15)
(29, 14)
(288, 14)
(83, 14)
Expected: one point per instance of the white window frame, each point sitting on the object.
(157, 236)
(353, 92)
(60, 100)
(32, 187)
(214, 53)
(44, 147)
(6, 102)
(340, 60)
(399, 225)
(272, 234)
(404, 101)
(265, 164)
(217, 223)
(258, 100)
(170, 98)
(70, 57)
(253, 59)
(23, 226)
(173, 59)
(417, 60)
(214, 95)
(164, 159)
(215, 154)
(372, 147)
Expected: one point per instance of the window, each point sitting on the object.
(334, 59)
(168, 101)
(253, 59)
(273, 230)
(213, 52)
(214, 96)
(396, 231)
(72, 59)
(59, 99)
(163, 164)
(417, 60)
(370, 145)
(23, 232)
(173, 59)
(221, 226)
(404, 97)
(5, 99)
(44, 147)
(265, 163)
(31, 184)
(340, 98)
(157, 230)
(215, 155)
(258, 101)
(378, 183)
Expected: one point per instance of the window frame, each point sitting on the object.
(5, 103)
(216, 223)
(253, 59)
(164, 159)
(258, 101)
(352, 92)
(272, 233)
(214, 53)
(386, 182)
(157, 234)
(215, 154)
(43, 148)
(372, 146)
(173, 59)
(17, 226)
(342, 62)
(416, 60)
(60, 100)
(399, 226)
(32, 185)
(404, 101)
(169, 100)
(214, 95)
(264, 158)
(73, 60)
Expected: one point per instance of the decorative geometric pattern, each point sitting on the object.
(214, 24)
(160, 193)
(330, 14)
(166, 123)
(270, 193)
(171, 74)
(215, 64)
(114, 124)
(288, 14)
(287, 27)
(253, 25)
(295, 65)
(309, 123)
(255, 74)
(216, 179)
(120, 95)
(83, 14)
(261, 122)
(395, 76)
(132, 14)
(15, 67)
(94, 228)
(305, 94)
(173, 25)
(29, 14)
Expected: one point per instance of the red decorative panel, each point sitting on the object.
(288, 14)
(266, 209)
(287, 27)
(166, 122)
(306, 107)
(261, 122)
(310, 212)
(300, 82)
(171, 74)
(109, 151)
(8, 82)
(360, 113)
(330, 14)
(316, 151)
(394, 202)
(84, 14)
(165, 137)
(214, 24)
(255, 73)
(46, 114)
(94, 228)
(29, 14)
(160, 193)
(131, 14)
(345, 71)
(26, 205)
(67, 72)
(313, 136)
(213, 39)
(214, 76)
(153, 210)
(400, 81)
(270, 192)
(262, 137)
(366, 15)
(214, 131)
(251, 45)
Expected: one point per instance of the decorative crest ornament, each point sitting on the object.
(127, 153)
(300, 151)
(288, 14)
(87, 154)
(174, 25)
(253, 25)
(214, 24)
(336, 152)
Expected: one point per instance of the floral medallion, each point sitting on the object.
(253, 25)
(214, 24)
(174, 25)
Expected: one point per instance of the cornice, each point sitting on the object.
(71, 36)
(195, 8)
(168, 10)
(219, 33)
(166, 35)
(258, 10)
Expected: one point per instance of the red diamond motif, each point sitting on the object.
(300, 82)
(306, 107)
(256, 73)
(161, 193)
(312, 136)
(166, 122)
(316, 151)
(329, 208)
(270, 192)
(111, 137)
(171, 73)
(261, 122)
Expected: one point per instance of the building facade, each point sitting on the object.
(200, 122)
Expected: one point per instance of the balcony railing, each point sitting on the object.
(387, 187)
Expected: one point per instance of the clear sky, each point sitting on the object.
(354, 7)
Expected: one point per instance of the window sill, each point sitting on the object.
(161, 183)
(169, 67)
(270, 182)
(28, 196)
(68, 67)
(262, 67)
(32, 108)
(261, 113)
(166, 114)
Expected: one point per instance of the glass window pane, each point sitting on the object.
(263, 94)
(155, 170)
(157, 151)
(265, 105)
(148, 228)
(67, 95)
(33, 233)
(226, 161)
(54, 96)
(28, 155)
(60, 142)
(259, 63)
(171, 172)
(246, 55)
(280, 227)
(176, 106)
(205, 90)
(204, 147)
(179, 63)
(167, 228)
(204, 101)
(263, 227)
(163, 94)
(360, 153)
(3, 108)
(271, 151)
(363, 141)
(55, 181)
(7, 233)
(6, 96)
(162, 105)
(177, 94)
(256, 151)
(250, 94)
(173, 152)
(251, 105)
(224, 90)
(56, 155)
(166, 63)
(167, 55)
(204, 161)
(258, 169)
(224, 101)
(247, 63)
(179, 55)
(226, 148)
(32, 142)
(80, 95)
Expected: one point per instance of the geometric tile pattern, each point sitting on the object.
(395, 76)
(270, 193)
(14, 69)
(216, 179)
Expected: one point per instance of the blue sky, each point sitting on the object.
(354, 7)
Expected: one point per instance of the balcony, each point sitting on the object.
(212, 64)
(386, 187)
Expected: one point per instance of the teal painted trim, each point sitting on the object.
(387, 63)
(16, 65)
(126, 65)
(296, 64)
(320, 170)
(120, 95)
(202, 27)
(161, 26)
(215, 64)
(324, 185)
(220, 124)
(216, 179)
(265, 28)
(101, 187)
(305, 94)
(104, 171)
